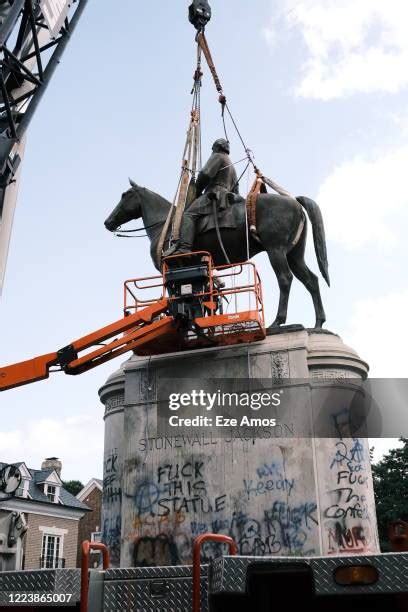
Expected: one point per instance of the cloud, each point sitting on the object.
(385, 352)
(378, 341)
(363, 200)
(76, 440)
(352, 45)
(382, 446)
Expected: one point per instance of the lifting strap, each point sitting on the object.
(259, 186)
(202, 41)
(189, 167)
(191, 161)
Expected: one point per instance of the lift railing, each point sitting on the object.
(232, 297)
(87, 546)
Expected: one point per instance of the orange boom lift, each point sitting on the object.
(197, 306)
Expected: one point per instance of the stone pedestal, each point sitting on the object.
(276, 494)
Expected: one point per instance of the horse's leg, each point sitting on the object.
(307, 277)
(279, 263)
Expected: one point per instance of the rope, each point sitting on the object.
(246, 218)
(242, 174)
(247, 240)
(217, 229)
(248, 151)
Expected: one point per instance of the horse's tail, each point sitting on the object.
(319, 239)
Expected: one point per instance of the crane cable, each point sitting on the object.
(192, 157)
(202, 42)
(260, 179)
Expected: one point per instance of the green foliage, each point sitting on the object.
(390, 477)
(72, 486)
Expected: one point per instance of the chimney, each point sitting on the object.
(52, 463)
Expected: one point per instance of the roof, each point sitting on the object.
(36, 492)
(90, 486)
(40, 476)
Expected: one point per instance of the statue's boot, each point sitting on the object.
(187, 234)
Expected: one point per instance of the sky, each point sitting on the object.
(319, 89)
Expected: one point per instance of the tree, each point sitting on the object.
(390, 477)
(72, 486)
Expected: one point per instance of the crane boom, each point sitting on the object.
(33, 36)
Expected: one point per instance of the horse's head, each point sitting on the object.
(128, 208)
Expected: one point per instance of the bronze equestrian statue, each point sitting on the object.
(280, 225)
(216, 181)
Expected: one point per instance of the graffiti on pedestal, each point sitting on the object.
(346, 511)
(112, 491)
(111, 505)
(178, 502)
(111, 537)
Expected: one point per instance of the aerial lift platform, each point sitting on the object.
(196, 306)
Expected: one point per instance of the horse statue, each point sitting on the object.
(281, 231)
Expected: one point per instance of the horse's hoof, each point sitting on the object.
(274, 325)
(318, 325)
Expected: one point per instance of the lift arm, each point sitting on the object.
(137, 329)
(187, 315)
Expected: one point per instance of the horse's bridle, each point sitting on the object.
(131, 231)
(139, 229)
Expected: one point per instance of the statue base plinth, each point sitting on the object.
(276, 494)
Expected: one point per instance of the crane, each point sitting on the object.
(33, 36)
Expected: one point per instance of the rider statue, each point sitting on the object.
(216, 181)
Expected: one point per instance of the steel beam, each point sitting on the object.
(26, 68)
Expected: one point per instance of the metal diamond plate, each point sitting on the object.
(228, 574)
(166, 571)
(40, 581)
(136, 595)
(68, 581)
(43, 580)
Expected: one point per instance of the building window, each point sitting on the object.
(51, 493)
(22, 490)
(96, 536)
(51, 551)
